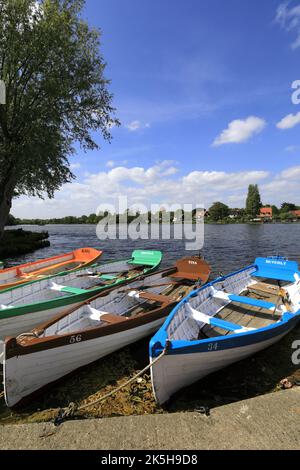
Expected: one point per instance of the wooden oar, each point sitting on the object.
(103, 273)
(111, 272)
(151, 286)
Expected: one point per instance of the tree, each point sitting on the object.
(56, 94)
(285, 216)
(287, 206)
(218, 211)
(253, 202)
(275, 211)
(11, 220)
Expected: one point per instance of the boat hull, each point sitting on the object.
(26, 374)
(176, 371)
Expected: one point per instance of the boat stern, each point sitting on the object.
(151, 259)
(87, 256)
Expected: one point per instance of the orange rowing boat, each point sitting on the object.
(77, 259)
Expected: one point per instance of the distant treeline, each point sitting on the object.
(94, 218)
(218, 212)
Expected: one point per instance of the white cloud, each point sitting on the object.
(223, 181)
(239, 131)
(167, 162)
(289, 121)
(136, 125)
(292, 173)
(289, 20)
(155, 184)
(113, 163)
(75, 166)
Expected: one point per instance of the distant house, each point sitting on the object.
(201, 213)
(296, 214)
(235, 213)
(266, 213)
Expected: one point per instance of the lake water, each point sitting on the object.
(226, 247)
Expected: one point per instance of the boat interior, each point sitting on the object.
(246, 316)
(130, 303)
(158, 290)
(239, 304)
(71, 283)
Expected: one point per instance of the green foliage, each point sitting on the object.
(56, 93)
(253, 201)
(11, 220)
(284, 216)
(218, 211)
(287, 206)
(275, 211)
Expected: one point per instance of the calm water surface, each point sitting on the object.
(226, 247)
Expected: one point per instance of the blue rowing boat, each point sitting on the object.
(223, 322)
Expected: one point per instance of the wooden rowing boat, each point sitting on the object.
(95, 329)
(225, 321)
(27, 305)
(77, 259)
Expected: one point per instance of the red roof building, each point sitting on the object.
(266, 212)
(296, 213)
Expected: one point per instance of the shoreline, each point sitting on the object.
(206, 222)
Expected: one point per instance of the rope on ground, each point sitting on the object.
(71, 409)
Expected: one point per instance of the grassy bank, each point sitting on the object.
(20, 242)
(258, 375)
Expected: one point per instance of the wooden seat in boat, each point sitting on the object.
(67, 289)
(264, 287)
(155, 297)
(247, 300)
(111, 318)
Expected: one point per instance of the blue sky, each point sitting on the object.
(202, 88)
